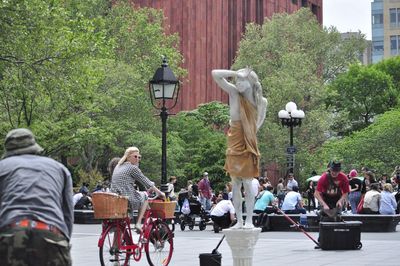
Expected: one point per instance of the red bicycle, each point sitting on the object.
(117, 246)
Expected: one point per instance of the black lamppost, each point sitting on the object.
(164, 90)
(291, 117)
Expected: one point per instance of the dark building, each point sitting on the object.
(210, 31)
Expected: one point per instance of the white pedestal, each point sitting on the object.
(242, 242)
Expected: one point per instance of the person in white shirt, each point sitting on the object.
(372, 200)
(256, 186)
(171, 188)
(82, 200)
(291, 182)
(293, 202)
(223, 214)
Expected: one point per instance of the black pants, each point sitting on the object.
(222, 221)
(369, 211)
(263, 219)
(311, 199)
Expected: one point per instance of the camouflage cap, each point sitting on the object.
(20, 141)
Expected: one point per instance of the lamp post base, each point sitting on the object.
(242, 242)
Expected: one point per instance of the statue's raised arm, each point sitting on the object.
(247, 109)
(221, 75)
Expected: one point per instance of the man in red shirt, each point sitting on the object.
(205, 193)
(332, 188)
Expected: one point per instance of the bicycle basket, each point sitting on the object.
(163, 210)
(109, 205)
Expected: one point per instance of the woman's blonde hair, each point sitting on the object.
(128, 151)
(388, 187)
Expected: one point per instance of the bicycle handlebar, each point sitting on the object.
(153, 198)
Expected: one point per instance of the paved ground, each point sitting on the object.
(272, 248)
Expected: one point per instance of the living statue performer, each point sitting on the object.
(247, 109)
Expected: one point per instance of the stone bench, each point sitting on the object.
(375, 222)
(370, 222)
(85, 217)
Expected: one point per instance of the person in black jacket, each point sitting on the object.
(310, 195)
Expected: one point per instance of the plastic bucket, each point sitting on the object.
(209, 259)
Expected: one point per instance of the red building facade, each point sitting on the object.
(210, 31)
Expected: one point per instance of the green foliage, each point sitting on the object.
(213, 114)
(140, 39)
(374, 146)
(76, 73)
(362, 93)
(92, 178)
(391, 66)
(202, 147)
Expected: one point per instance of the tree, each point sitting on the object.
(391, 66)
(47, 82)
(374, 146)
(212, 114)
(76, 73)
(202, 146)
(362, 93)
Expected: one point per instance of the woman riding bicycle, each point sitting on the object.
(125, 174)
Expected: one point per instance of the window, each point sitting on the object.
(395, 45)
(377, 19)
(377, 46)
(394, 14)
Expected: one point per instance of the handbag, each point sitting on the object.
(360, 205)
(185, 207)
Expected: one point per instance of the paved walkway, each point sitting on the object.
(272, 248)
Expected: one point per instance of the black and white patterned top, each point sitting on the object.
(123, 183)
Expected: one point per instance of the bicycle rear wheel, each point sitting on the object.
(160, 244)
(109, 249)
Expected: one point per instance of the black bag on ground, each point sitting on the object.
(340, 235)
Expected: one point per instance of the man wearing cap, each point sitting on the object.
(36, 207)
(205, 193)
(332, 188)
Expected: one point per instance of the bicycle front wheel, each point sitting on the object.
(160, 244)
(109, 252)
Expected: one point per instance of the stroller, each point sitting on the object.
(193, 214)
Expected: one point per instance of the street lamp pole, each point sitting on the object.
(291, 117)
(164, 89)
(164, 116)
(291, 134)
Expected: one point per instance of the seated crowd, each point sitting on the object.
(361, 195)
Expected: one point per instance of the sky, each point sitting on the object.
(348, 15)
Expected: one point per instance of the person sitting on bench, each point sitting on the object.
(293, 202)
(264, 206)
(82, 200)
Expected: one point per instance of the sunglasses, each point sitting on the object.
(137, 157)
